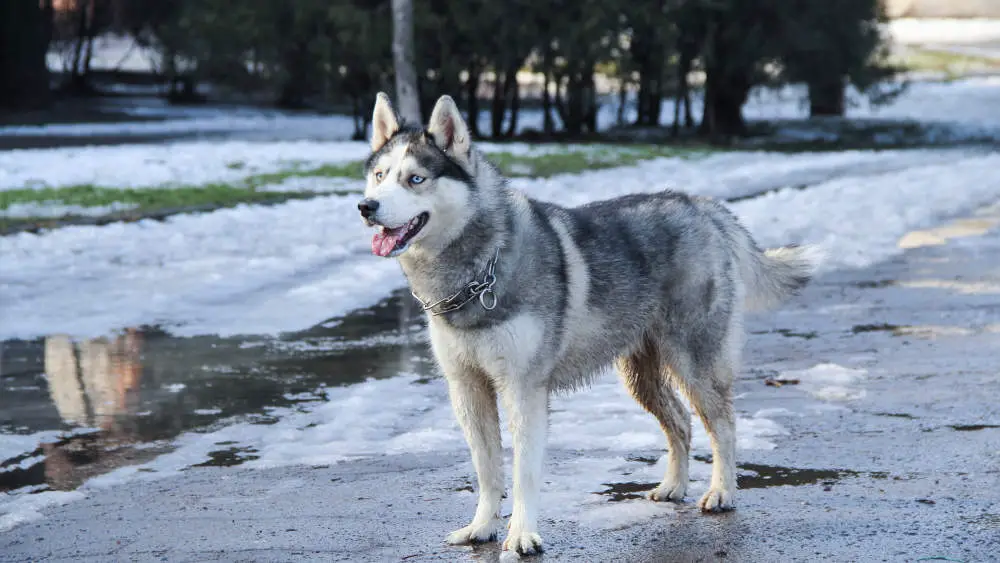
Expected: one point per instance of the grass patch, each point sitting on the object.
(571, 162)
(93, 196)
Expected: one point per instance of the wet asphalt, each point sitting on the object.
(908, 470)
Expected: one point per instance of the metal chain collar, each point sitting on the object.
(475, 288)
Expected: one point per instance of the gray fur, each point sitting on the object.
(655, 284)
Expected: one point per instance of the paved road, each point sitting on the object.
(903, 465)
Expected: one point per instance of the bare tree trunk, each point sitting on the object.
(472, 100)
(514, 95)
(498, 107)
(548, 126)
(403, 53)
(25, 29)
(826, 97)
(82, 10)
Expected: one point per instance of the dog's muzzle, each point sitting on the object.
(368, 207)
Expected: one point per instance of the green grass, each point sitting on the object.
(571, 162)
(160, 199)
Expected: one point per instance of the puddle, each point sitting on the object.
(875, 284)
(896, 415)
(972, 427)
(83, 408)
(789, 333)
(617, 492)
(756, 476)
(229, 457)
(750, 476)
(883, 327)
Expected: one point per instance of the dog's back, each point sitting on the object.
(663, 261)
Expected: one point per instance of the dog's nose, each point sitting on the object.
(368, 207)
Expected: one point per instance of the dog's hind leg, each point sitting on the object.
(474, 401)
(643, 374)
(707, 381)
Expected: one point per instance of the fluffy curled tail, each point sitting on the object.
(776, 274)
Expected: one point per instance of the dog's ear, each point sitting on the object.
(384, 122)
(448, 129)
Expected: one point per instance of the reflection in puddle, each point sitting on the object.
(751, 476)
(99, 404)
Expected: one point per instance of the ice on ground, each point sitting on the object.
(264, 270)
(830, 382)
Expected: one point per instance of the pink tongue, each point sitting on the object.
(384, 242)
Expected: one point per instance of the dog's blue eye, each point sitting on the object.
(378, 175)
(416, 179)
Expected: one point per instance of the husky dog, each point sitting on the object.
(525, 298)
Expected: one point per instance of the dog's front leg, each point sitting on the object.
(527, 407)
(475, 403)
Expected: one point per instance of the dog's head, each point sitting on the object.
(419, 183)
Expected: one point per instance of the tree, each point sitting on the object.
(831, 45)
(740, 38)
(24, 41)
(403, 51)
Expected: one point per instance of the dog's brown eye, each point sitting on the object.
(378, 175)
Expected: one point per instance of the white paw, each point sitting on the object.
(523, 543)
(476, 533)
(668, 491)
(717, 500)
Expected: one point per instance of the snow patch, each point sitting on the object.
(18, 509)
(55, 209)
(830, 382)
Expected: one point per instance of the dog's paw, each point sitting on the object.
(673, 492)
(523, 543)
(476, 533)
(717, 500)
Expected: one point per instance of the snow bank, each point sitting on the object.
(254, 269)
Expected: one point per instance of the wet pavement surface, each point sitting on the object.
(901, 465)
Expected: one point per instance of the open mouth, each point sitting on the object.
(392, 242)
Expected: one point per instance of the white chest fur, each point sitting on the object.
(507, 350)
